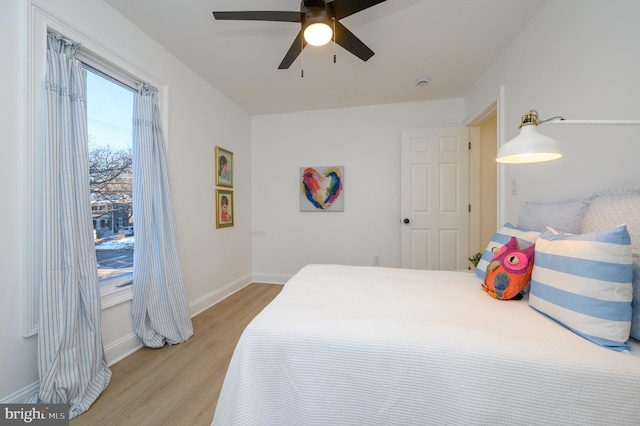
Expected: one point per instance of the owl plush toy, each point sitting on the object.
(509, 271)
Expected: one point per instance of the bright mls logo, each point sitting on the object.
(34, 414)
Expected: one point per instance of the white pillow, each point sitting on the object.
(635, 303)
(584, 282)
(502, 237)
(608, 209)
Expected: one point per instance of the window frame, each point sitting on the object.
(98, 56)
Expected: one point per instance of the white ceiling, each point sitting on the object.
(450, 41)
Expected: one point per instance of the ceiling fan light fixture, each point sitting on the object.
(317, 27)
(318, 34)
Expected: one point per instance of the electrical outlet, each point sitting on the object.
(376, 260)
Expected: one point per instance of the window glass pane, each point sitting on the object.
(109, 117)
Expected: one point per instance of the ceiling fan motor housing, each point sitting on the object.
(307, 5)
(315, 12)
(316, 17)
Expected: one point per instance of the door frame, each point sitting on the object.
(495, 105)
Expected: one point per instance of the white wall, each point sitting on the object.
(214, 262)
(17, 355)
(366, 141)
(578, 59)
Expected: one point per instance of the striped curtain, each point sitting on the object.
(159, 306)
(71, 360)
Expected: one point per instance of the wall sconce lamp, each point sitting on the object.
(532, 147)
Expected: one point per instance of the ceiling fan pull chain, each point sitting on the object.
(334, 39)
(301, 57)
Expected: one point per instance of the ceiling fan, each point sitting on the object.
(317, 17)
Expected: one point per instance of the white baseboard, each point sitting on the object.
(208, 300)
(130, 343)
(271, 278)
(22, 395)
(122, 348)
(114, 352)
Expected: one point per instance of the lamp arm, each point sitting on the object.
(530, 146)
(555, 119)
(532, 118)
(560, 120)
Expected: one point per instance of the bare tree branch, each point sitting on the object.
(110, 175)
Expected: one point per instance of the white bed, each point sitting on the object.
(345, 345)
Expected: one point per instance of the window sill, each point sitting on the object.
(116, 290)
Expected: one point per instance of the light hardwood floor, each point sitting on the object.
(179, 385)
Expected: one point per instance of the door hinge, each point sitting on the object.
(469, 146)
(469, 208)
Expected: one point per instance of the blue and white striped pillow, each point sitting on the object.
(502, 237)
(583, 281)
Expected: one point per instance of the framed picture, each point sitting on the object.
(224, 208)
(224, 167)
(321, 189)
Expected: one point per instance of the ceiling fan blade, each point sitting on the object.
(349, 41)
(296, 47)
(259, 15)
(343, 8)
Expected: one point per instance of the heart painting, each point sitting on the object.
(321, 189)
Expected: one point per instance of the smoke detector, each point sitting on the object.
(422, 81)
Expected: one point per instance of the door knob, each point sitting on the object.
(406, 220)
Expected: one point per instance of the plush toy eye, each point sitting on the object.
(517, 261)
(498, 250)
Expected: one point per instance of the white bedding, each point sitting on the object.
(344, 345)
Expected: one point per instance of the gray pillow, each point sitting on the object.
(565, 216)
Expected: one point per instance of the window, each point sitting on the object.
(105, 65)
(109, 125)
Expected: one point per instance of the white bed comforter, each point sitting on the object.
(344, 345)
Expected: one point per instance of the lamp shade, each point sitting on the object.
(318, 34)
(529, 147)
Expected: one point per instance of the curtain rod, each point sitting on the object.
(85, 56)
(108, 77)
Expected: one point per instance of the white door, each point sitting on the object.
(435, 198)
